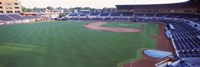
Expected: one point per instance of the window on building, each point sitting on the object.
(16, 3)
(0, 3)
(8, 7)
(1, 11)
(1, 7)
(9, 12)
(16, 7)
(7, 3)
(17, 11)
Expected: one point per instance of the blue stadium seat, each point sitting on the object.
(95, 14)
(105, 14)
(6, 18)
(129, 14)
(65, 18)
(116, 14)
(16, 16)
(107, 18)
(29, 17)
(73, 14)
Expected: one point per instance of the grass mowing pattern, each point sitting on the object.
(123, 25)
(69, 44)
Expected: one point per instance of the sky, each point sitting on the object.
(89, 3)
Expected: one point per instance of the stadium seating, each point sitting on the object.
(28, 17)
(6, 18)
(129, 14)
(150, 15)
(161, 15)
(185, 39)
(95, 14)
(65, 18)
(97, 18)
(124, 19)
(73, 14)
(16, 16)
(83, 14)
(115, 19)
(116, 14)
(105, 14)
(84, 18)
(73, 18)
(108, 18)
(139, 15)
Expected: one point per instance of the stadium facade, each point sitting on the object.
(191, 6)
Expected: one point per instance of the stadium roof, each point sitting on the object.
(187, 4)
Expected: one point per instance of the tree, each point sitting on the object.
(59, 8)
(62, 15)
(87, 8)
(50, 8)
(78, 8)
(24, 9)
(29, 10)
(35, 9)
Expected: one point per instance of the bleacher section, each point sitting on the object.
(185, 38)
(95, 14)
(139, 14)
(97, 18)
(161, 15)
(28, 17)
(83, 14)
(6, 18)
(116, 14)
(108, 19)
(105, 14)
(73, 18)
(73, 14)
(150, 15)
(16, 18)
(129, 16)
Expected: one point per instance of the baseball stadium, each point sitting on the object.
(136, 35)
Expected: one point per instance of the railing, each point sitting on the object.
(162, 60)
(172, 40)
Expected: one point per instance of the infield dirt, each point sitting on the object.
(98, 26)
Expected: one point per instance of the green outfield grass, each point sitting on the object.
(69, 44)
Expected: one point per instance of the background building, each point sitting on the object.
(10, 6)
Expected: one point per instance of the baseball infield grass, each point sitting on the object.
(69, 44)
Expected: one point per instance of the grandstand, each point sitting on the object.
(17, 18)
(182, 28)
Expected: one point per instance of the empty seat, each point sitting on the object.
(6, 18)
(16, 16)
